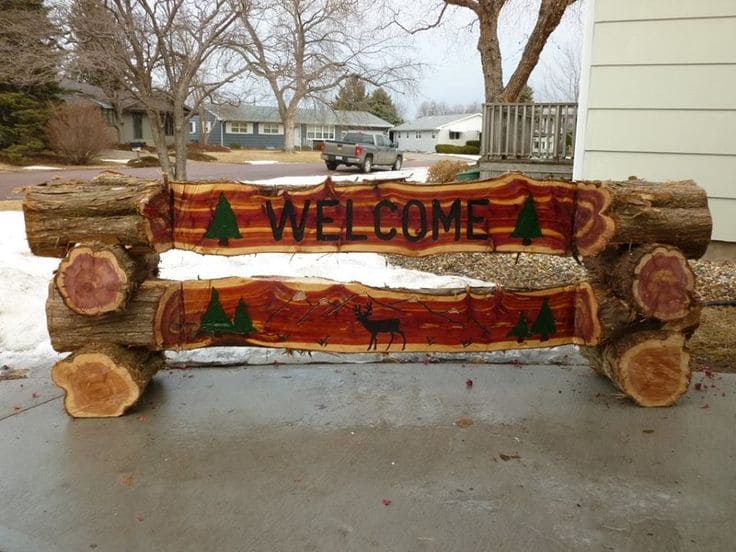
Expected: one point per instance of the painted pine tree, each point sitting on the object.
(521, 330)
(544, 325)
(223, 225)
(527, 223)
(242, 324)
(215, 320)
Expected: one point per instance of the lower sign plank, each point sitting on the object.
(330, 316)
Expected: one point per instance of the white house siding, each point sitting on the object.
(417, 140)
(657, 97)
(426, 140)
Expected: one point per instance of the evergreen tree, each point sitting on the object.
(527, 94)
(521, 330)
(527, 223)
(381, 105)
(242, 324)
(214, 320)
(224, 224)
(544, 325)
(28, 76)
(351, 96)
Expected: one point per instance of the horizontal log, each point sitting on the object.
(509, 214)
(111, 208)
(329, 316)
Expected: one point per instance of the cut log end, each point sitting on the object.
(664, 284)
(104, 380)
(652, 367)
(97, 278)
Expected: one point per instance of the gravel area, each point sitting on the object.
(716, 280)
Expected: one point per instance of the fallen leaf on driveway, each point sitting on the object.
(507, 457)
(464, 422)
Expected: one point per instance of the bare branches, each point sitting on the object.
(304, 49)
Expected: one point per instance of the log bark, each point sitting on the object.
(104, 380)
(111, 208)
(655, 279)
(98, 278)
(132, 327)
(653, 368)
(638, 212)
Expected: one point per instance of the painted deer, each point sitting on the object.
(386, 325)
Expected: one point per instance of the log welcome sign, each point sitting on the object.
(105, 305)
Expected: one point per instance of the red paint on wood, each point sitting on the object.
(329, 316)
(396, 217)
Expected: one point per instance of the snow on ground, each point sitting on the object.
(263, 162)
(415, 174)
(40, 168)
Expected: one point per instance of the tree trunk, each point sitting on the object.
(651, 367)
(204, 133)
(104, 380)
(289, 123)
(97, 278)
(180, 143)
(159, 136)
(490, 53)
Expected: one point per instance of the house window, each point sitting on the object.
(454, 135)
(320, 132)
(192, 127)
(434, 134)
(418, 134)
(239, 127)
(270, 128)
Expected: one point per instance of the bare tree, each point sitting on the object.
(305, 49)
(156, 48)
(487, 14)
(561, 78)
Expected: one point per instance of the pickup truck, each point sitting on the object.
(362, 149)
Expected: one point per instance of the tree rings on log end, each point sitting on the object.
(652, 367)
(97, 278)
(664, 284)
(104, 380)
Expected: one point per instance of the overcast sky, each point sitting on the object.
(454, 73)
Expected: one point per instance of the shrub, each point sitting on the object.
(78, 132)
(199, 156)
(234, 146)
(196, 146)
(145, 161)
(450, 148)
(445, 171)
(474, 143)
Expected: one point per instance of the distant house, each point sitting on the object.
(255, 126)
(134, 127)
(656, 98)
(425, 133)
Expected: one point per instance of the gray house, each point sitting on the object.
(125, 114)
(255, 126)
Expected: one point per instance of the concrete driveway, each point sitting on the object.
(370, 457)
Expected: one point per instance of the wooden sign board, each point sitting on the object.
(322, 315)
(510, 214)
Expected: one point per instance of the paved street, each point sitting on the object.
(10, 181)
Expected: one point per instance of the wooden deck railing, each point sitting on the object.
(533, 131)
